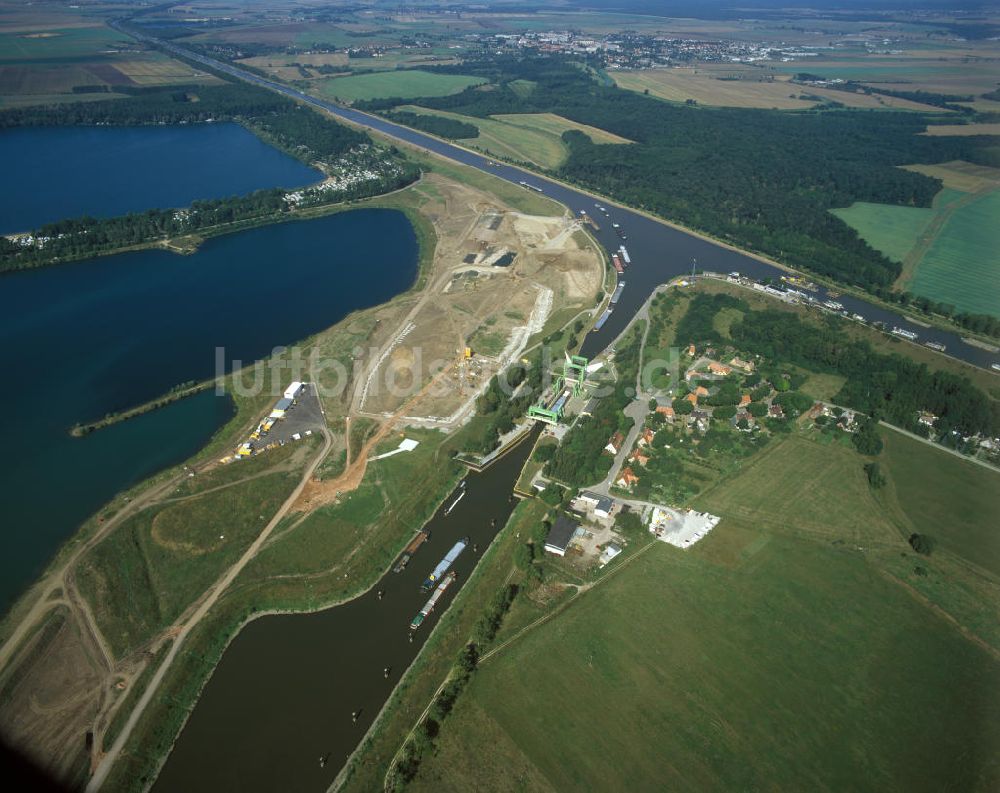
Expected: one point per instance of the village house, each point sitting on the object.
(775, 411)
(627, 479)
(701, 391)
(927, 419)
(666, 410)
(692, 398)
(647, 437)
(719, 368)
(637, 456)
(745, 366)
(744, 401)
(615, 444)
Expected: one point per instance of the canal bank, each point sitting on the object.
(661, 251)
(284, 692)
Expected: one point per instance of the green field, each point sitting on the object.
(893, 230)
(143, 575)
(789, 650)
(961, 266)
(948, 251)
(59, 45)
(404, 84)
(766, 676)
(959, 512)
(525, 137)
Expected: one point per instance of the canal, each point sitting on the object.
(659, 252)
(284, 692)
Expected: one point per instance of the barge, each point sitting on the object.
(430, 604)
(445, 563)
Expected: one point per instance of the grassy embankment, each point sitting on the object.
(784, 650)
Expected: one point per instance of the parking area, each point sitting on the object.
(680, 528)
(303, 417)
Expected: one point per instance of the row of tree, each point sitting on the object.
(764, 180)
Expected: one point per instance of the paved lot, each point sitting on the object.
(303, 416)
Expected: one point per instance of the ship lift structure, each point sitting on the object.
(567, 385)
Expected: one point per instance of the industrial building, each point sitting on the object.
(560, 535)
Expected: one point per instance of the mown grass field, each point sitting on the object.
(801, 646)
(956, 503)
(961, 265)
(404, 84)
(824, 490)
(557, 125)
(526, 137)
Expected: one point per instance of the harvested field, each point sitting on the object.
(557, 125)
(958, 175)
(761, 89)
(963, 129)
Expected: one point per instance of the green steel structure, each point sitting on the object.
(570, 382)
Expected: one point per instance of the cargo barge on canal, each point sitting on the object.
(445, 563)
(430, 604)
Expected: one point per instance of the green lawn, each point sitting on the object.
(961, 266)
(404, 84)
(796, 670)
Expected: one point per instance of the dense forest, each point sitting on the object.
(169, 105)
(887, 386)
(436, 125)
(761, 179)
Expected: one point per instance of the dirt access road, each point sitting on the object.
(108, 760)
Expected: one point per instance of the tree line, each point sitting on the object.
(760, 179)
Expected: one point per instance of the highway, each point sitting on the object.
(658, 251)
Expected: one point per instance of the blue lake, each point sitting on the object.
(84, 339)
(52, 173)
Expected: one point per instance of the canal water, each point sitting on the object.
(89, 338)
(283, 694)
(659, 252)
(52, 173)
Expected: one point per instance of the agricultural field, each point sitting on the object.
(735, 87)
(964, 129)
(404, 84)
(526, 137)
(947, 251)
(948, 499)
(44, 62)
(802, 644)
(893, 230)
(960, 266)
